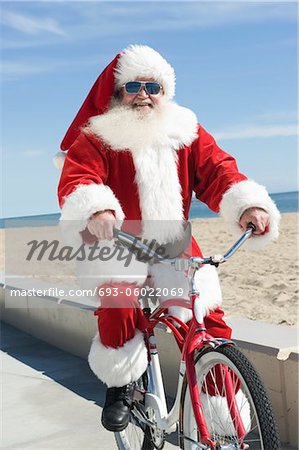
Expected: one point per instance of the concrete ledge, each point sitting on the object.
(70, 325)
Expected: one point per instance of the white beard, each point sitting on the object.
(166, 125)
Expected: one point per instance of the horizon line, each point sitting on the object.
(58, 212)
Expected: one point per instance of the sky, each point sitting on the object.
(235, 65)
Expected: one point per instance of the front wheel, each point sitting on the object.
(249, 395)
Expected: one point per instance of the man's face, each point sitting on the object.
(142, 101)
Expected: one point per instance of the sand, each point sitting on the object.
(259, 285)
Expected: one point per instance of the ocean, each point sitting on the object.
(285, 201)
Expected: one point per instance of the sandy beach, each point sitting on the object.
(260, 285)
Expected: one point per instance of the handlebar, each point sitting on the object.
(219, 259)
(135, 245)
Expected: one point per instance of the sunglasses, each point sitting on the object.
(134, 87)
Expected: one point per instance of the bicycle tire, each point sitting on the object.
(124, 442)
(262, 420)
(137, 435)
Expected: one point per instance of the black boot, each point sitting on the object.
(118, 404)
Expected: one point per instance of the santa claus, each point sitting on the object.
(134, 154)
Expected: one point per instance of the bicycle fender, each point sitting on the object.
(153, 402)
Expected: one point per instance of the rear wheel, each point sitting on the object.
(134, 437)
(251, 398)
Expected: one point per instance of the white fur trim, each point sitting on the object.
(79, 206)
(58, 160)
(206, 280)
(218, 417)
(159, 193)
(244, 195)
(121, 266)
(167, 126)
(143, 61)
(118, 366)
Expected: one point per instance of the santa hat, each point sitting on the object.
(143, 61)
(135, 61)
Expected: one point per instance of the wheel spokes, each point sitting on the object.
(222, 427)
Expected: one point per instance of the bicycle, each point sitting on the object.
(211, 370)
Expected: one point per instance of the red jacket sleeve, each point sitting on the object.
(215, 170)
(85, 163)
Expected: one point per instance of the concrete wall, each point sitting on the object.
(71, 325)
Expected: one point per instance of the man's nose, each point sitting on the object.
(142, 92)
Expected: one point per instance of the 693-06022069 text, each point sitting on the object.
(141, 291)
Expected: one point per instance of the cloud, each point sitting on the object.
(194, 14)
(87, 20)
(122, 18)
(281, 116)
(256, 131)
(30, 25)
(12, 70)
(15, 69)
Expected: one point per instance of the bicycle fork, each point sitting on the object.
(205, 437)
(192, 345)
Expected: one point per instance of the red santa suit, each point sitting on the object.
(146, 171)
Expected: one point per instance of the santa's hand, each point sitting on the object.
(258, 217)
(101, 225)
